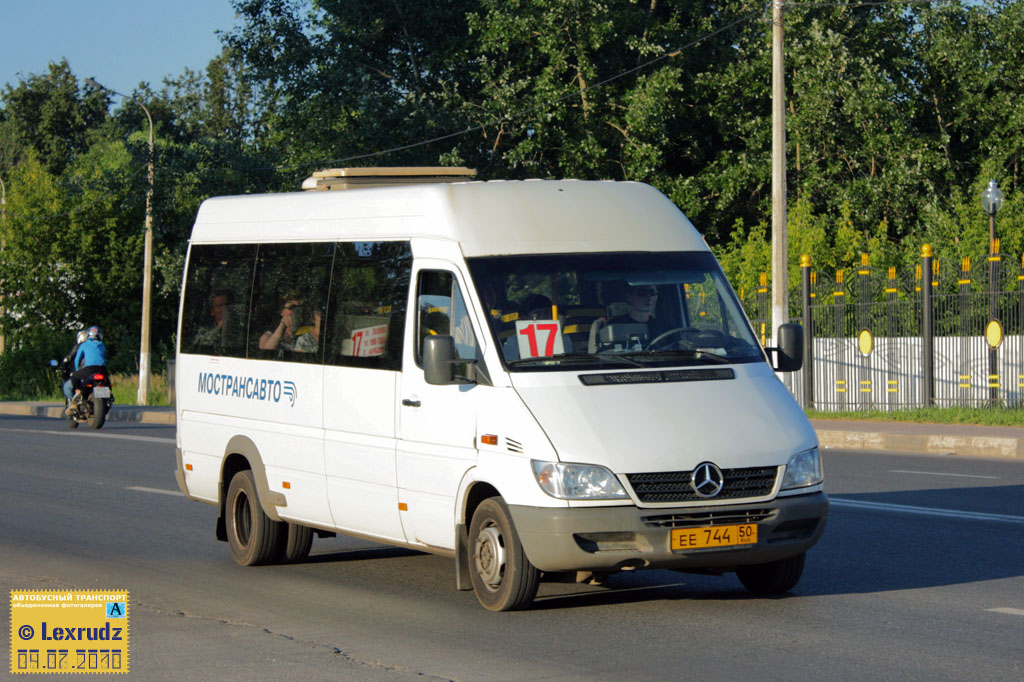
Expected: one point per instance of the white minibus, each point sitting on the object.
(543, 380)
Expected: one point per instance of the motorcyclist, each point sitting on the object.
(69, 390)
(91, 357)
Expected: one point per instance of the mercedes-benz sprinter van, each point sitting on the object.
(540, 379)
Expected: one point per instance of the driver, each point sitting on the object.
(633, 329)
(642, 300)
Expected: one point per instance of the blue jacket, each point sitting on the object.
(90, 353)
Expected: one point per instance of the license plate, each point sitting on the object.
(101, 391)
(714, 536)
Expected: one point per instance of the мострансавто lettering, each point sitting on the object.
(234, 386)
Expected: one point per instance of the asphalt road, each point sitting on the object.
(920, 576)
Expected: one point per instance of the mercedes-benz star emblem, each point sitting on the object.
(707, 480)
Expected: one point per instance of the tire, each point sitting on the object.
(503, 578)
(253, 537)
(776, 577)
(297, 542)
(72, 424)
(99, 413)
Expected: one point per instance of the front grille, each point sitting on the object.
(711, 518)
(674, 486)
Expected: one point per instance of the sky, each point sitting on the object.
(120, 43)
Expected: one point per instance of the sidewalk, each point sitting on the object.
(905, 437)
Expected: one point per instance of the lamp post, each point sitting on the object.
(991, 202)
(147, 273)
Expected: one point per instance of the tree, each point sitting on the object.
(49, 114)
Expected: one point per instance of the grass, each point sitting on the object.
(126, 389)
(984, 416)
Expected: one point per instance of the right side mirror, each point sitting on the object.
(789, 355)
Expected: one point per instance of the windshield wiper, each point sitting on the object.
(704, 355)
(593, 357)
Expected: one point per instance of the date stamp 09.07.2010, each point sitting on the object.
(69, 631)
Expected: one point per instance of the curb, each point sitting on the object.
(118, 413)
(970, 446)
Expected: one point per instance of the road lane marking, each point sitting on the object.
(939, 473)
(1004, 609)
(141, 489)
(924, 511)
(88, 434)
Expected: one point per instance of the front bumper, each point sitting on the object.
(608, 539)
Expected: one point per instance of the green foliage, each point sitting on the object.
(25, 372)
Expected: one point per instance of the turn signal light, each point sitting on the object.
(489, 439)
(286, 485)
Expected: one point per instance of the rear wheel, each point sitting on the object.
(99, 412)
(297, 543)
(253, 536)
(503, 578)
(775, 577)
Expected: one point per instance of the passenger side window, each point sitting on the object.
(441, 309)
(217, 287)
(369, 290)
(289, 301)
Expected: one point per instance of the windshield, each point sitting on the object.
(579, 311)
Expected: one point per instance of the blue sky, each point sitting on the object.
(120, 43)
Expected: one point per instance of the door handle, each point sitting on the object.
(410, 403)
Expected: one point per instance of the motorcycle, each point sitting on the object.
(92, 405)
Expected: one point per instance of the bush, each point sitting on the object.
(25, 372)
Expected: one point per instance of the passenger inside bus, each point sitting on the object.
(298, 330)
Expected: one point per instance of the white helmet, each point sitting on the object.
(82, 336)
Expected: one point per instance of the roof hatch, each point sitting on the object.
(382, 176)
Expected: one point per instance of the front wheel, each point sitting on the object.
(775, 577)
(253, 536)
(99, 412)
(503, 578)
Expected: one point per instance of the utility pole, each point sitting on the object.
(780, 231)
(142, 395)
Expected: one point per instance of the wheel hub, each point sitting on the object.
(490, 556)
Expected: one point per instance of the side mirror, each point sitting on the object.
(439, 364)
(789, 356)
(438, 354)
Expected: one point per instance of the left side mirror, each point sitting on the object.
(438, 353)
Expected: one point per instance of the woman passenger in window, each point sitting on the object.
(298, 330)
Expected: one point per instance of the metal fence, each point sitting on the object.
(937, 335)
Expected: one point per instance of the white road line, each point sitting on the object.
(177, 493)
(939, 473)
(1012, 612)
(924, 511)
(92, 434)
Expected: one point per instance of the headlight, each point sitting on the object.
(803, 469)
(577, 481)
